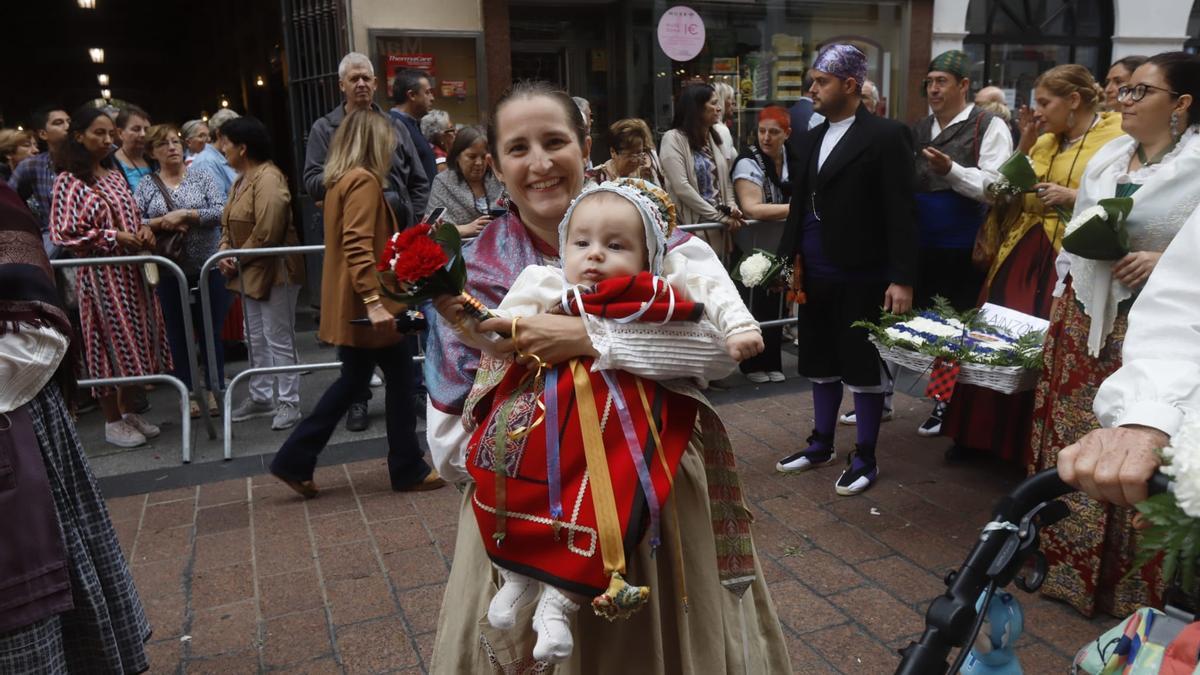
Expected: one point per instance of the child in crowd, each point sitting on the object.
(570, 464)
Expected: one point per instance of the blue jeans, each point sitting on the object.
(168, 298)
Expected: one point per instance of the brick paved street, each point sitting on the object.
(242, 576)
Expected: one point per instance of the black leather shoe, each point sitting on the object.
(356, 418)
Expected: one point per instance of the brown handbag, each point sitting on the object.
(167, 244)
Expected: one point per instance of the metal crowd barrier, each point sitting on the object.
(197, 382)
(206, 312)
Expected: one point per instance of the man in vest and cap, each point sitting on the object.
(961, 147)
(852, 224)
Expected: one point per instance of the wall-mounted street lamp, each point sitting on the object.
(106, 94)
(97, 54)
(102, 79)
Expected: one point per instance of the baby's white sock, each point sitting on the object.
(552, 621)
(517, 591)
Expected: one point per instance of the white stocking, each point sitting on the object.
(552, 621)
(516, 591)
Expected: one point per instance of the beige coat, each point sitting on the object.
(259, 215)
(675, 153)
(358, 223)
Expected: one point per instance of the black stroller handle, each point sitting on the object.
(994, 561)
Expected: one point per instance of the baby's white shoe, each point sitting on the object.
(552, 621)
(517, 591)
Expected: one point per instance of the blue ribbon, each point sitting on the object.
(553, 474)
(639, 461)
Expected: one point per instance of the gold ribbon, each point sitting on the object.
(612, 549)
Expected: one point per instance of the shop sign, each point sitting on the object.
(454, 89)
(681, 33)
(724, 66)
(398, 62)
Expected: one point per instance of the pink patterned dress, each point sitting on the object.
(122, 323)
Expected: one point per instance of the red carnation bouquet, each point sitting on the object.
(426, 261)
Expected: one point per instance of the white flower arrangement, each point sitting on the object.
(1084, 216)
(754, 268)
(1182, 463)
(1174, 516)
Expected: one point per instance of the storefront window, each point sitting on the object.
(451, 59)
(1011, 42)
(763, 50)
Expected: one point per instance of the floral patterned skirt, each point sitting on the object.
(1091, 552)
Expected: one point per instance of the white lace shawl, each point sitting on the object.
(28, 358)
(1169, 194)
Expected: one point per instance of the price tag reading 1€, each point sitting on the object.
(681, 33)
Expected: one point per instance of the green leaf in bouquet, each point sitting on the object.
(451, 242)
(1102, 234)
(1018, 171)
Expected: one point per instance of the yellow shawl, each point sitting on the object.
(1009, 223)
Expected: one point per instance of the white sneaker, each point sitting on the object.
(758, 377)
(286, 417)
(776, 376)
(376, 380)
(123, 435)
(932, 426)
(144, 428)
(552, 621)
(249, 409)
(850, 419)
(516, 591)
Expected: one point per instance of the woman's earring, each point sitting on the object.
(1070, 121)
(1175, 132)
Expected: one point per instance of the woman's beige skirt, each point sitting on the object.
(719, 632)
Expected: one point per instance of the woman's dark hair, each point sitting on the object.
(1182, 73)
(251, 133)
(467, 136)
(534, 89)
(1129, 63)
(129, 112)
(689, 114)
(72, 157)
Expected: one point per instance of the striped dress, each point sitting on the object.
(122, 323)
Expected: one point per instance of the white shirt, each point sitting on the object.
(832, 137)
(995, 147)
(1159, 380)
(28, 359)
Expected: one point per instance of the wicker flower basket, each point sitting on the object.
(1004, 379)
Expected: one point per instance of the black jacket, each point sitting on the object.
(863, 196)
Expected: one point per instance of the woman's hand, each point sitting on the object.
(178, 220)
(128, 241)
(473, 228)
(1113, 465)
(228, 267)
(450, 308)
(552, 338)
(382, 320)
(1134, 269)
(744, 345)
(1053, 194)
(145, 237)
(1031, 126)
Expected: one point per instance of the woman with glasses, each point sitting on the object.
(469, 191)
(1157, 164)
(633, 155)
(437, 128)
(1118, 76)
(1019, 242)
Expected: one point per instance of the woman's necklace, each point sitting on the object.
(1144, 161)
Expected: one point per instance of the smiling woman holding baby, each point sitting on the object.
(696, 602)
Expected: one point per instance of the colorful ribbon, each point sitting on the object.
(639, 462)
(553, 473)
(604, 502)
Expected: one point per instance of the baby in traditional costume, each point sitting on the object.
(572, 465)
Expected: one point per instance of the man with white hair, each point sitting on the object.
(211, 159)
(870, 94)
(407, 191)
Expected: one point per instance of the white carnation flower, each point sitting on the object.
(1183, 465)
(1084, 216)
(754, 268)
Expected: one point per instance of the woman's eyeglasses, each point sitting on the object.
(1138, 92)
(640, 154)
